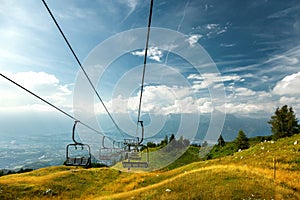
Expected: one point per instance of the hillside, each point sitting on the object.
(244, 175)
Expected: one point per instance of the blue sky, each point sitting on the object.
(255, 46)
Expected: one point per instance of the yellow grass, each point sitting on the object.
(213, 182)
(245, 175)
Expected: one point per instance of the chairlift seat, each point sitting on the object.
(128, 164)
(134, 156)
(105, 157)
(85, 161)
(116, 154)
(131, 142)
(70, 161)
(78, 161)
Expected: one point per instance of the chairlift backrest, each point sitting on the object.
(105, 154)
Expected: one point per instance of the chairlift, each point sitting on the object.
(78, 154)
(117, 148)
(134, 154)
(117, 151)
(105, 152)
(109, 155)
(134, 147)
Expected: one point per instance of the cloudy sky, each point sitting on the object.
(255, 46)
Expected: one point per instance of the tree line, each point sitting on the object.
(284, 123)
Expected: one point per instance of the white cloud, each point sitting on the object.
(239, 94)
(221, 31)
(208, 79)
(288, 91)
(73, 12)
(244, 101)
(31, 79)
(163, 100)
(131, 4)
(247, 108)
(193, 39)
(206, 107)
(241, 91)
(285, 12)
(289, 100)
(241, 100)
(288, 60)
(160, 100)
(153, 53)
(42, 84)
(227, 45)
(212, 30)
(214, 77)
(289, 85)
(212, 26)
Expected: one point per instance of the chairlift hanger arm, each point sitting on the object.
(103, 143)
(142, 125)
(73, 133)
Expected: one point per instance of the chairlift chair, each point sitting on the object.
(110, 155)
(134, 154)
(116, 151)
(105, 153)
(82, 156)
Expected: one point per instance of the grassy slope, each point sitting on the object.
(245, 175)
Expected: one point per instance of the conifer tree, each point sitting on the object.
(284, 123)
(221, 141)
(172, 137)
(242, 142)
(204, 144)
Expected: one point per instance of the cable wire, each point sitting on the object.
(79, 63)
(145, 62)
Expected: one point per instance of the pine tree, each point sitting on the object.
(204, 144)
(242, 142)
(284, 123)
(172, 137)
(164, 141)
(221, 141)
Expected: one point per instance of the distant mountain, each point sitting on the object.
(48, 124)
(252, 127)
